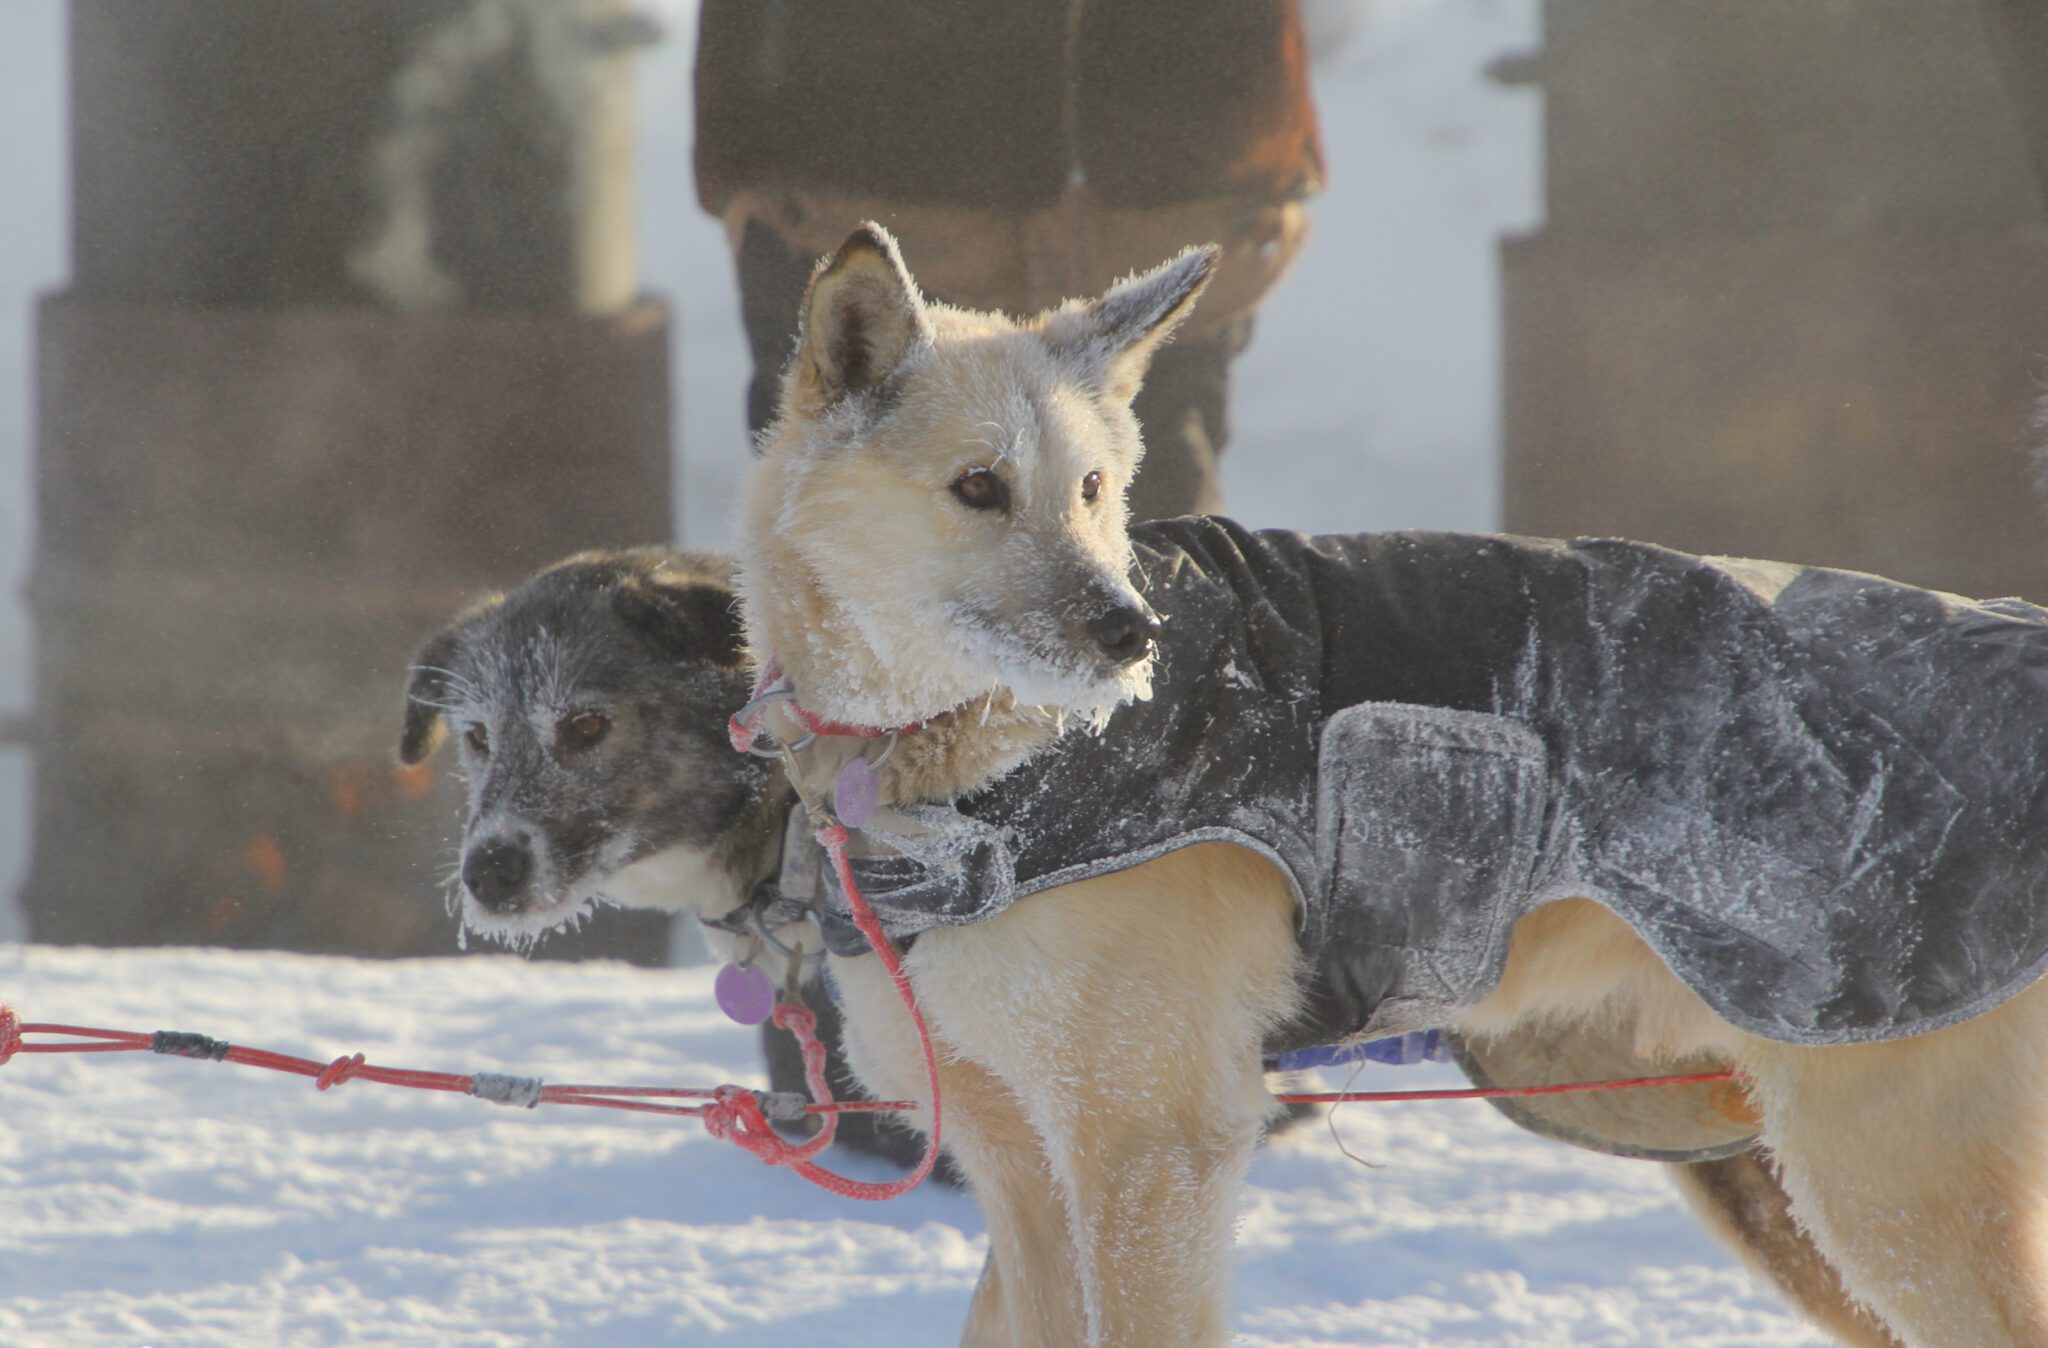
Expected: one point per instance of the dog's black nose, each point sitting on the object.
(495, 871)
(1125, 632)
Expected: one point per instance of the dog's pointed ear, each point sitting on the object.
(861, 316)
(684, 615)
(426, 698)
(1118, 334)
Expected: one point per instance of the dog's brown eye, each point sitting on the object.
(587, 728)
(478, 737)
(1091, 486)
(981, 489)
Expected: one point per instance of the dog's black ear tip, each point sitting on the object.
(869, 245)
(426, 691)
(868, 237)
(421, 736)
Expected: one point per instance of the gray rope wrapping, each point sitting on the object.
(500, 1089)
(185, 1044)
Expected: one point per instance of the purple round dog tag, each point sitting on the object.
(855, 793)
(746, 995)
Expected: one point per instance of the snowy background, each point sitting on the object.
(168, 1202)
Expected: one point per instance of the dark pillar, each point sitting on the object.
(352, 339)
(1791, 291)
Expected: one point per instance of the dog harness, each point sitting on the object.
(1818, 795)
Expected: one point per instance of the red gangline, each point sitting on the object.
(730, 1111)
(353, 1067)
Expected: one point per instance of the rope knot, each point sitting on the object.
(10, 1033)
(735, 1115)
(338, 1071)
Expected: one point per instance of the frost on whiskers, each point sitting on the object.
(1024, 657)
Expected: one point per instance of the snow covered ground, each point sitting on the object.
(170, 1202)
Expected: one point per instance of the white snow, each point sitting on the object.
(171, 1202)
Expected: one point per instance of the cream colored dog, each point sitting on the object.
(934, 534)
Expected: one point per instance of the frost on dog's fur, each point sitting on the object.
(887, 599)
(655, 810)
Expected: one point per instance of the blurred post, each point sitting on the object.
(353, 337)
(1791, 293)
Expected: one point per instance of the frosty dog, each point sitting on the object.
(934, 542)
(659, 630)
(589, 706)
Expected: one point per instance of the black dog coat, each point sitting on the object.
(1818, 795)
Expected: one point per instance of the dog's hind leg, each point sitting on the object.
(1918, 1167)
(1740, 1200)
(1575, 961)
(1126, 1013)
(1029, 1291)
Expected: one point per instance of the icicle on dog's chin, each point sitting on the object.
(1067, 689)
(521, 932)
(1087, 701)
(553, 910)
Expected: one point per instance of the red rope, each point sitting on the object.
(732, 1112)
(818, 725)
(744, 734)
(832, 836)
(353, 1067)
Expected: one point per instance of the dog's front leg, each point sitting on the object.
(1029, 1294)
(1126, 1015)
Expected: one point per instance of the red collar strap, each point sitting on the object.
(745, 728)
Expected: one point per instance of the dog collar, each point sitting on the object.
(745, 728)
(855, 792)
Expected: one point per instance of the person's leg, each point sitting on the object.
(1184, 410)
(772, 279)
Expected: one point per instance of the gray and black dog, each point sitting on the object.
(589, 707)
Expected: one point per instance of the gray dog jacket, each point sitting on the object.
(1818, 795)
